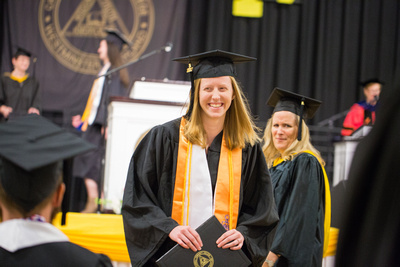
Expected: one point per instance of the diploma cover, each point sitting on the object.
(210, 255)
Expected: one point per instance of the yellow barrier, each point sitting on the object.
(100, 233)
(104, 233)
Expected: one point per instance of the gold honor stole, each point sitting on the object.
(327, 220)
(19, 79)
(227, 190)
(97, 88)
(89, 105)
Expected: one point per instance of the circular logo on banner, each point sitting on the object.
(203, 259)
(72, 29)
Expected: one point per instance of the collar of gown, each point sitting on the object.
(20, 233)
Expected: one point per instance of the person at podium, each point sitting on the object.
(93, 120)
(209, 162)
(363, 112)
(370, 211)
(301, 186)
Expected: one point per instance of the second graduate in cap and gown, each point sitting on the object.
(301, 187)
(32, 151)
(209, 162)
(93, 121)
(19, 91)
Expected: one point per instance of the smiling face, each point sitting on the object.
(21, 63)
(215, 97)
(284, 129)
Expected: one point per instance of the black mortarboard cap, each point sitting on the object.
(369, 81)
(116, 37)
(211, 64)
(301, 105)
(31, 149)
(22, 51)
(215, 63)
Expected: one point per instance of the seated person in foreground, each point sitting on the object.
(31, 192)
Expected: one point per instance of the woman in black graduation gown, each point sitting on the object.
(300, 184)
(166, 197)
(94, 118)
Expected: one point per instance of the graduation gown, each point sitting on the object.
(147, 201)
(19, 96)
(29, 243)
(88, 165)
(300, 197)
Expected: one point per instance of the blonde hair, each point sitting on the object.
(271, 153)
(239, 127)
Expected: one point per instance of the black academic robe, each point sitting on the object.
(19, 96)
(112, 87)
(300, 197)
(147, 201)
(53, 254)
(88, 165)
(28, 243)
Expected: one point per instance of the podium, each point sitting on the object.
(150, 103)
(344, 152)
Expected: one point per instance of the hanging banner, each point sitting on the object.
(64, 36)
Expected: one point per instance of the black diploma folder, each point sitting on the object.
(210, 255)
